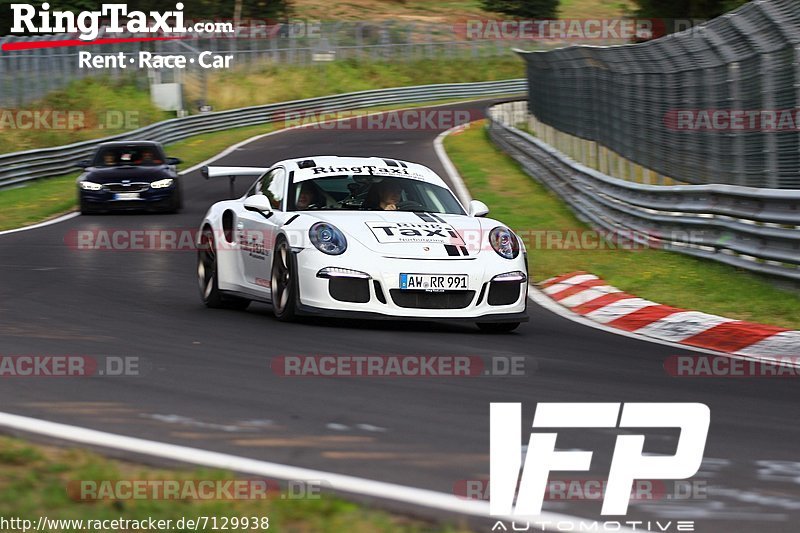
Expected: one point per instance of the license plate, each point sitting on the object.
(126, 196)
(434, 282)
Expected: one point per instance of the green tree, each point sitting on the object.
(539, 9)
(682, 9)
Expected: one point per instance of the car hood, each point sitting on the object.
(133, 174)
(410, 235)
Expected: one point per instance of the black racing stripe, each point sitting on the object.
(290, 220)
(425, 217)
(452, 249)
(438, 218)
(464, 250)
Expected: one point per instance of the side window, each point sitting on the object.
(273, 186)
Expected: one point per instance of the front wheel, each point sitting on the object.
(283, 282)
(85, 209)
(498, 327)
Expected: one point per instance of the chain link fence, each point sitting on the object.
(28, 75)
(719, 103)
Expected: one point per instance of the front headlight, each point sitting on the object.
(90, 186)
(504, 242)
(162, 184)
(327, 238)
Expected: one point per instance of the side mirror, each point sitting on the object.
(478, 209)
(83, 163)
(172, 161)
(259, 203)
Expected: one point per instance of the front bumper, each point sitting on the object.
(151, 199)
(379, 296)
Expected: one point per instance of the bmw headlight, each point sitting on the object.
(327, 238)
(504, 242)
(162, 184)
(90, 186)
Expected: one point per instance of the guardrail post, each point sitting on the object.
(3, 79)
(770, 137)
(735, 99)
(797, 94)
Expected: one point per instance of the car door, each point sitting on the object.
(257, 232)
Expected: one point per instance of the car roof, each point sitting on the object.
(306, 168)
(111, 144)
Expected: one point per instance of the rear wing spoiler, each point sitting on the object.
(231, 173)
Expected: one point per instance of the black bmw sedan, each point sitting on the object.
(130, 175)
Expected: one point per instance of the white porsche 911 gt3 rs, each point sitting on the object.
(360, 237)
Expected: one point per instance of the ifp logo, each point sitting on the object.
(628, 462)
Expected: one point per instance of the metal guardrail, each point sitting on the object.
(750, 228)
(19, 167)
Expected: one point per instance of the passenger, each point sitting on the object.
(384, 195)
(149, 158)
(306, 197)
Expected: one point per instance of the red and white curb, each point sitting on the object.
(591, 297)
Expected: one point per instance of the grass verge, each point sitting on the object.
(106, 107)
(665, 277)
(45, 481)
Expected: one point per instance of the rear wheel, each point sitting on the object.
(284, 282)
(207, 276)
(498, 327)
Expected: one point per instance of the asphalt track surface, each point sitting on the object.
(208, 382)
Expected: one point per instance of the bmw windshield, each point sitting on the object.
(372, 193)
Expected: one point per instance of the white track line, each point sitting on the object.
(450, 168)
(62, 218)
(338, 482)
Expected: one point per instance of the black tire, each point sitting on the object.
(176, 203)
(207, 276)
(284, 282)
(498, 327)
(85, 209)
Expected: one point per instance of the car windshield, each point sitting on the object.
(134, 155)
(372, 193)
